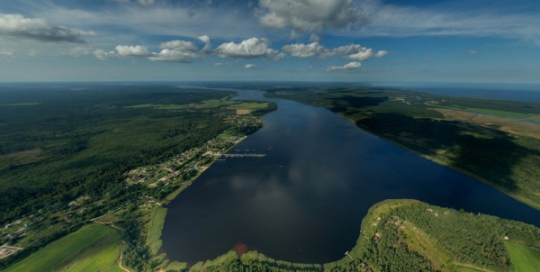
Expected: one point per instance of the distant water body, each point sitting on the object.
(516, 92)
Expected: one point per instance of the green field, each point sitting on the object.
(155, 226)
(498, 113)
(250, 106)
(468, 269)
(92, 248)
(523, 257)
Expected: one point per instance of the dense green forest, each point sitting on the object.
(415, 236)
(72, 143)
(485, 150)
(64, 154)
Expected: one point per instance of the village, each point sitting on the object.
(183, 167)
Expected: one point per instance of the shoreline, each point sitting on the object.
(174, 194)
(517, 197)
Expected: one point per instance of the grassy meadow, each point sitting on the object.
(524, 258)
(92, 248)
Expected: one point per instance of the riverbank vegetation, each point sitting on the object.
(471, 135)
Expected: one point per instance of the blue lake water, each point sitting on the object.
(305, 200)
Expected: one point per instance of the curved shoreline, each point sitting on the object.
(439, 162)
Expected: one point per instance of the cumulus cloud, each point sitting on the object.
(247, 49)
(187, 52)
(179, 45)
(18, 26)
(171, 51)
(347, 67)
(123, 51)
(314, 49)
(168, 55)
(310, 15)
(250, 66)
(132, 51)
(358, 52)
(301, 50)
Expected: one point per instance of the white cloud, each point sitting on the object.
(18, 26)
(310, 15)
(172, 51)
(356, 52)
(301, 50)
(353, 51)
(179, 45)
(472, 52)
(132, 51)
(250, 48)
(167, 55)
(359, 53)
(207, 45)
(350, 66)
(223, 64)
(381, 53)
(122, 51)
(250, 66)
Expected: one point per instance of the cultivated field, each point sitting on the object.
(92, 248)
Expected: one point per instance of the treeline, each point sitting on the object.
(255, 262)
(87, 140)
(456, 236)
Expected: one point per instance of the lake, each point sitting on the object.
(304, 201)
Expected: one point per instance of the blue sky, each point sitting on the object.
(300, 40)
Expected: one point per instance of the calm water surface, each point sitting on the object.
(305, 200)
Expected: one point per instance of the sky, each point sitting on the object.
(440, 41)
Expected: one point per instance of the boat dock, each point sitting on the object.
(247, 155)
